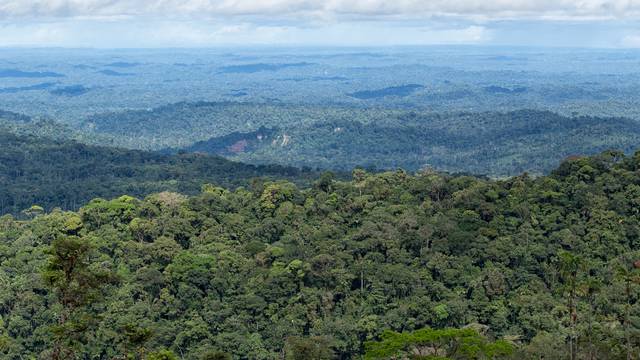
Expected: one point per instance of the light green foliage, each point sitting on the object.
(33, 211)
(275, 194)
(162, 355)
(437, 344)
(441, 311)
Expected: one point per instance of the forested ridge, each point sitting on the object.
(340, 138)
(35, 170)
(387, 265)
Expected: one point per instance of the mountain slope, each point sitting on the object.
(496, 144)
(182, 124)
(492, 143)
(64, 173)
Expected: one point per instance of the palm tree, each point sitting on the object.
(628, 273)
(570, 266)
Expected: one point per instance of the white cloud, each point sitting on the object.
(124, 33)
(158, 23)
(324, 9)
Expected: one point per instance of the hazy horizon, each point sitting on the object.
(223, 23)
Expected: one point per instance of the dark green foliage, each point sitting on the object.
(520, 268)
(310, 348)
(75, 283)
(66, 174)
(215, 355)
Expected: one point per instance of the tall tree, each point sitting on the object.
(570, 266)
(629, 274)
(75, 283)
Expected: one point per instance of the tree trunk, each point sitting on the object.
(626, 320)
(572, 324)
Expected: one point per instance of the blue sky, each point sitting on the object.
(206, 23)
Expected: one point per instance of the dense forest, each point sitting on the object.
(497, 144)
(62, 173)
(386, 265)
(493, 144)
(165, 204)
(181, 124)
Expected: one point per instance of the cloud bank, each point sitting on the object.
(110, 34)
(323, 10)
(193, 23)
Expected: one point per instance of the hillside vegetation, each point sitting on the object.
(490, 143)
(64, 173)
(380, 266)
(495, 144)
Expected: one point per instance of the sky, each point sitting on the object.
(210, 23)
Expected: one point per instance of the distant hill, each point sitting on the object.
(492, 143)
(123, 64)
(110, 72)
(14, 73)
(13, 117)
(494, 89)
(71, 90)
(495, 144)
(235, 143)
(400, 91)
(184, 123)
(253, 68)
(62, 173)
(17, 89)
